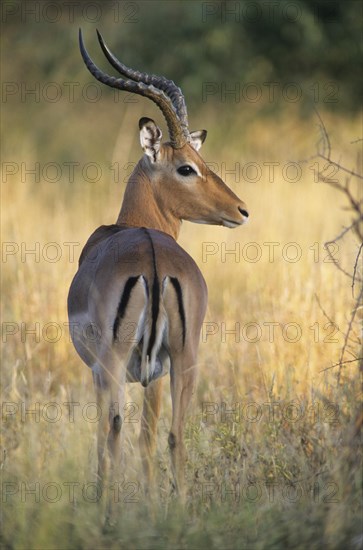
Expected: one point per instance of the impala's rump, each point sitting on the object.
(135, 301)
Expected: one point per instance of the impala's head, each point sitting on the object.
(182, 182)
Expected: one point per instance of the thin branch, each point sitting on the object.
(345, 230)
(340, 167)
(325, 137)
(341, 363)
(333, 241)
(327, 145)
(349, 329)
(355, 268)
(326, 315)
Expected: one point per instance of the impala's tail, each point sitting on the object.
(155, 320)
(155, 324)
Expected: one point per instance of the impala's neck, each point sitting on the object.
(142, 208)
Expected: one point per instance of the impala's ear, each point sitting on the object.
(150, 137)
(197, 138)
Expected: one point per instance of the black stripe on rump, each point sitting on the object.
(155, 297)
(179, 295)
(126, 295)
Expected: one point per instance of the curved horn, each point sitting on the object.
(160, 82)
(167, 96)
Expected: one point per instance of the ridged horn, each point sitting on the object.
(167, 96)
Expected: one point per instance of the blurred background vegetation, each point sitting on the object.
(245, 41)
(257, 57)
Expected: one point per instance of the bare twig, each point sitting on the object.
(341, 363)
(324, 137)
(357, 304)
(339, 166)
(324, 152)
(355, 268)
(326, 315)
(333, 241)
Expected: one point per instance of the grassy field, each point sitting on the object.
(274, 452)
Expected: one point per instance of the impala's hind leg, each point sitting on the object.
(147, 440)
(103, 400)
(182, 383)
(110, 387)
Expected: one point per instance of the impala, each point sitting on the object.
(134, 275)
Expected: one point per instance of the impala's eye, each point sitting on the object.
(186, 170)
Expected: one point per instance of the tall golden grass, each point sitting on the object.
(273, 454)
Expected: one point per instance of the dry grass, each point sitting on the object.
(296, 472)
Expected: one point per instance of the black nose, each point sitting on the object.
(243, 212)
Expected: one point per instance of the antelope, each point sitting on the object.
(134, 274)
